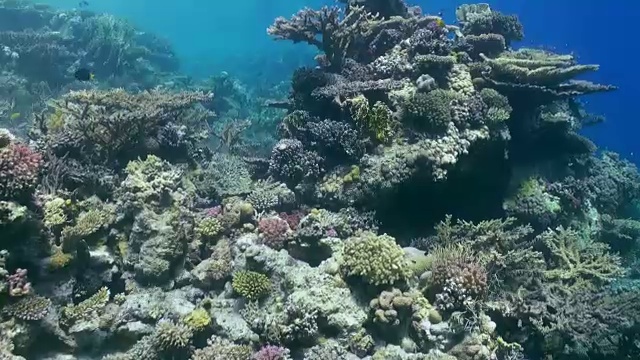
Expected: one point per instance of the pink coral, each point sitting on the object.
(19, 168)
(293, 218)
(274, 232)
(18, 284)
(271, 352)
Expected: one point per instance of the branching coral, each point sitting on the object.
(30, 308)
(274, 232)
(457, 277)
(19, 169)
(430, 111)
(173, 339)
(116, 126)
(327, 30)
(579, 261)
(375, 258)
(87, 308)
(224, 176)
(251, 285)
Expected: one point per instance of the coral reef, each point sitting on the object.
(422, 193)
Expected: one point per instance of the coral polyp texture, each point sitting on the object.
(423, 191)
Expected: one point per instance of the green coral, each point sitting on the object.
(579, 261)
(376, 120)
(198, 320)
(251, 285)
(87, 308)
(55, 212)
(430, 111)
(376, 258)
(209, 228)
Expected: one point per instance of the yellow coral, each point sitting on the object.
(198, 320)
(87, 308)
(59, 259)
(579, 261)
(376, 258)
(54, 212)
(353, 175)
(56, 120)
(377, 120)
(209, 227)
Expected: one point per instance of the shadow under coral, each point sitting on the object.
(474, 190)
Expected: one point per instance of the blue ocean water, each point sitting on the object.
(214, 36)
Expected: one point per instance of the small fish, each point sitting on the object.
(83, 3)
(15, 116)
(84, 74)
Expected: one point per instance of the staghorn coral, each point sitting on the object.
(577, 261)
(327, 30)
(375, 258)
(114, 126)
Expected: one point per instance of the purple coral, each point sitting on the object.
(271, 352)
(18, 284)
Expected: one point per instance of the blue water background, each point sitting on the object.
(215, 35)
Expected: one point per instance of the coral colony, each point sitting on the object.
(421, 192)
